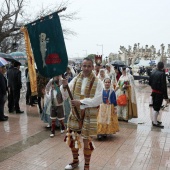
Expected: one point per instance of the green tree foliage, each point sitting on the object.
(92, 56)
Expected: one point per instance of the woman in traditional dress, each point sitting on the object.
(126, 86)
(111, 74)
(102, 74)
(107, 121)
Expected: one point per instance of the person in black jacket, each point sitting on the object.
(3, 90)
(17, 85)
(10, 89)
(157, 81)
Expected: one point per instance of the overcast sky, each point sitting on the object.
(112, 23)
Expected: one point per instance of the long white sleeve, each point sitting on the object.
(89, 102)
(96, 100)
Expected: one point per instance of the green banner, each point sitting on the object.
(47, 42)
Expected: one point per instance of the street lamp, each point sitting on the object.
(101, 46)
(106, 59)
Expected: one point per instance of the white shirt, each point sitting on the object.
(89, 102)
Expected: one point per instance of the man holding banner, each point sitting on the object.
(87, 96)
(46, 45)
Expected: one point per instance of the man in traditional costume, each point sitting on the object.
(157, 81)
(87, 93)
(57, 107)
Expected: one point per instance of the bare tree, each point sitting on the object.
(13, 16)
(10, 12)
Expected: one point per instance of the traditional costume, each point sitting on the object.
(45, 116)
(157, 81)
(130, 110)
(107, 121)
(88, 91)
(102, 76)
(57, 108)
(111, 74)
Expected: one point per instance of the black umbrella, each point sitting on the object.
(117, 63)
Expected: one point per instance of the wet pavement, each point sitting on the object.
(25, 143)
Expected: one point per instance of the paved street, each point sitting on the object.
(25, 143)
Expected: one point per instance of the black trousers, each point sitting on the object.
(16, 93)
(10, 99)
(157, 101)
(2, 103)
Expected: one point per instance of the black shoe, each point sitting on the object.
(159, 122)
(32, 105)
(125, 120)
(150, 105)
(4, 119)
(19, 112)
(5, 116)
(158, 125)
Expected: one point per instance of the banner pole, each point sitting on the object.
(61, 10)
(71, 97)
